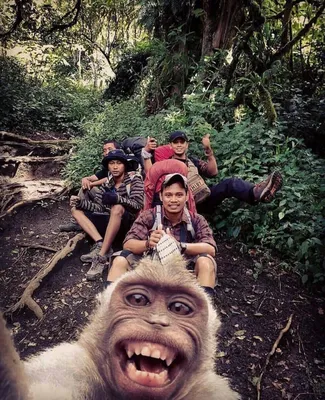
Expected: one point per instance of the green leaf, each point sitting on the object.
(281, 215)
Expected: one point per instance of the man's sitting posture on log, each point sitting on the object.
(191, 231)
(207, 198)
(122, 197)
(89, 185)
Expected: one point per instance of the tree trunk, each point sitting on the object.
(220, 21)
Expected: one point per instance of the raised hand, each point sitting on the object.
(206, 141)
(151, 144)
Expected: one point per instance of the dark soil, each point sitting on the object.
(253, 309)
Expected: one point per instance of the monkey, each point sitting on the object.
(152, 337)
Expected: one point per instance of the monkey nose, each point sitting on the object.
(158, 319)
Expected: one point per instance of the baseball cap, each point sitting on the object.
(173, 178)
(176, 135)
(115, 155)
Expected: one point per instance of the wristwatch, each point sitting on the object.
(183, 247)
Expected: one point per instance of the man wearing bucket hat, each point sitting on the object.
(186, 233)
(121, 197)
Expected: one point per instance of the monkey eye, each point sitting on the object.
(180, 308)
(138, 299)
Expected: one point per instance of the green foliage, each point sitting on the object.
(27, 104)
(293, 223)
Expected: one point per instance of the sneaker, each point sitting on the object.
(97, 267)
(266, 190)
(70, 227)
(88, 258)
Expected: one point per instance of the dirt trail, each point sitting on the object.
(253, 309)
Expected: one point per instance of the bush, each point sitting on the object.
(117, 121)
(26, 104)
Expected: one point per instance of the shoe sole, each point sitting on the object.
(93, 277)
(272, 187)
(86, 260)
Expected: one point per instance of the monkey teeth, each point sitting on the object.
(146, 378)
(152, 350)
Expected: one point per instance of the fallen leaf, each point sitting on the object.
(258, 338)
(240, 333)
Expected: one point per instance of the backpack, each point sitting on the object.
(133, 146)
(155, 177)
(197, 184)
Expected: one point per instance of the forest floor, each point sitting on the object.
(253, 309)
(254, 305)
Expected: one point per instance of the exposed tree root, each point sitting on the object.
(26, 298)
(21, 139)
(54, 196)
(274, 347)
(30, 159)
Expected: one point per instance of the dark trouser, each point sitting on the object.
(232, 187)
(100, 220)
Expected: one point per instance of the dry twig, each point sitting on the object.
(26, 298)
(38, 246)
(274, 347)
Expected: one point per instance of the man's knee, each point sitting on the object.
(117, 210)
(205, 265)
(120, 264)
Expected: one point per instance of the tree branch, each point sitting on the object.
(62, 27)
(285, 49)
(280, 14)
(19, 18)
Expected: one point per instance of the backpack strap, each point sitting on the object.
(158, 219)
(189, 225)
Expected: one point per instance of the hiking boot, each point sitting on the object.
(266, 190)
(70, 227)
(97, 267)
(88, 258)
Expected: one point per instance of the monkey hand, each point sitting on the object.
(85, 184)
(110, 198)
(74, 201)
(155, 236)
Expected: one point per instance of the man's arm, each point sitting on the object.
(204, 241)
(134, 202)
(97, 179)
(147, 153)
(212, 166)
(194, 249)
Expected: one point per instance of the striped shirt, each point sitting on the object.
(130, 194)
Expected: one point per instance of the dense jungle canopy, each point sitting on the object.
(250, 73)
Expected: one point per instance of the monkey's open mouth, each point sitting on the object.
(150, 364)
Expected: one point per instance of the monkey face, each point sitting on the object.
(157, 336)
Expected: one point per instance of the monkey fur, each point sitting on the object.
(152, 337)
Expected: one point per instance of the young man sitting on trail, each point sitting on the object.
(122, 197)
(207, 198)
(89, 185)
(190, 232)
